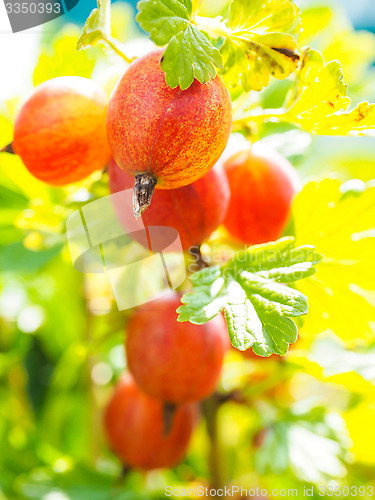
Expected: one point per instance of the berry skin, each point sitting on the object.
(262, 184)
(164, 136)
(195, 211)
(174, 362)
(60, 131)
(134, 425)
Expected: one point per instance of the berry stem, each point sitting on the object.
(200, 261)
(94, 423)
(8, 149)
(169, 410)
(125, 470)
(143, 191)
(210, 410)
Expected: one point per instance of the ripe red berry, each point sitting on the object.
(175, 362)
(60, 131)
(195, 211)
(262, 184)
(134, 425)
(167, 136)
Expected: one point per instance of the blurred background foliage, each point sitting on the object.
(307, 419)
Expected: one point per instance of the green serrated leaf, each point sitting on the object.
(263, 256)
(287, 274)
(270, 295)
(260, 42)
(164, 19)
(189, 53)
(244, 326)
(252, 289)
(97, 26)
(279, 332)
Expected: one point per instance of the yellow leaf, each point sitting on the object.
(318, 101)
(341, 226)
(331, 31)
(123, 27)
(354, 49)
(63, 59)
(260, 42)
(314, 20)
(360, 424)
(6, 131)
(359, 121)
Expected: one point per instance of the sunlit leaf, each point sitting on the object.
(18, 259)
(314, 19)
(123, 25)
(336, 359)
(260, 42)
(311, 444)
(6, 129)
(359, 121)
(340, 222)
(360, 424)
(354, 49)
(97, 26)
(319, 104)
(11, 199)
(320, 87)
(331, 31)
(61, 58)
(189, 53)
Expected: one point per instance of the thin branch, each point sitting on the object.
(260, 116)
(210, 411)
(116, 47)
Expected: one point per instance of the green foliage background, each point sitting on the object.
(305, 420)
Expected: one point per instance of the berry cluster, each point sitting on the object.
(168, 139)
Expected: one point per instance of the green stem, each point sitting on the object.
(95, 422)
(214, 27)
(116, 47)
(259, 117)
